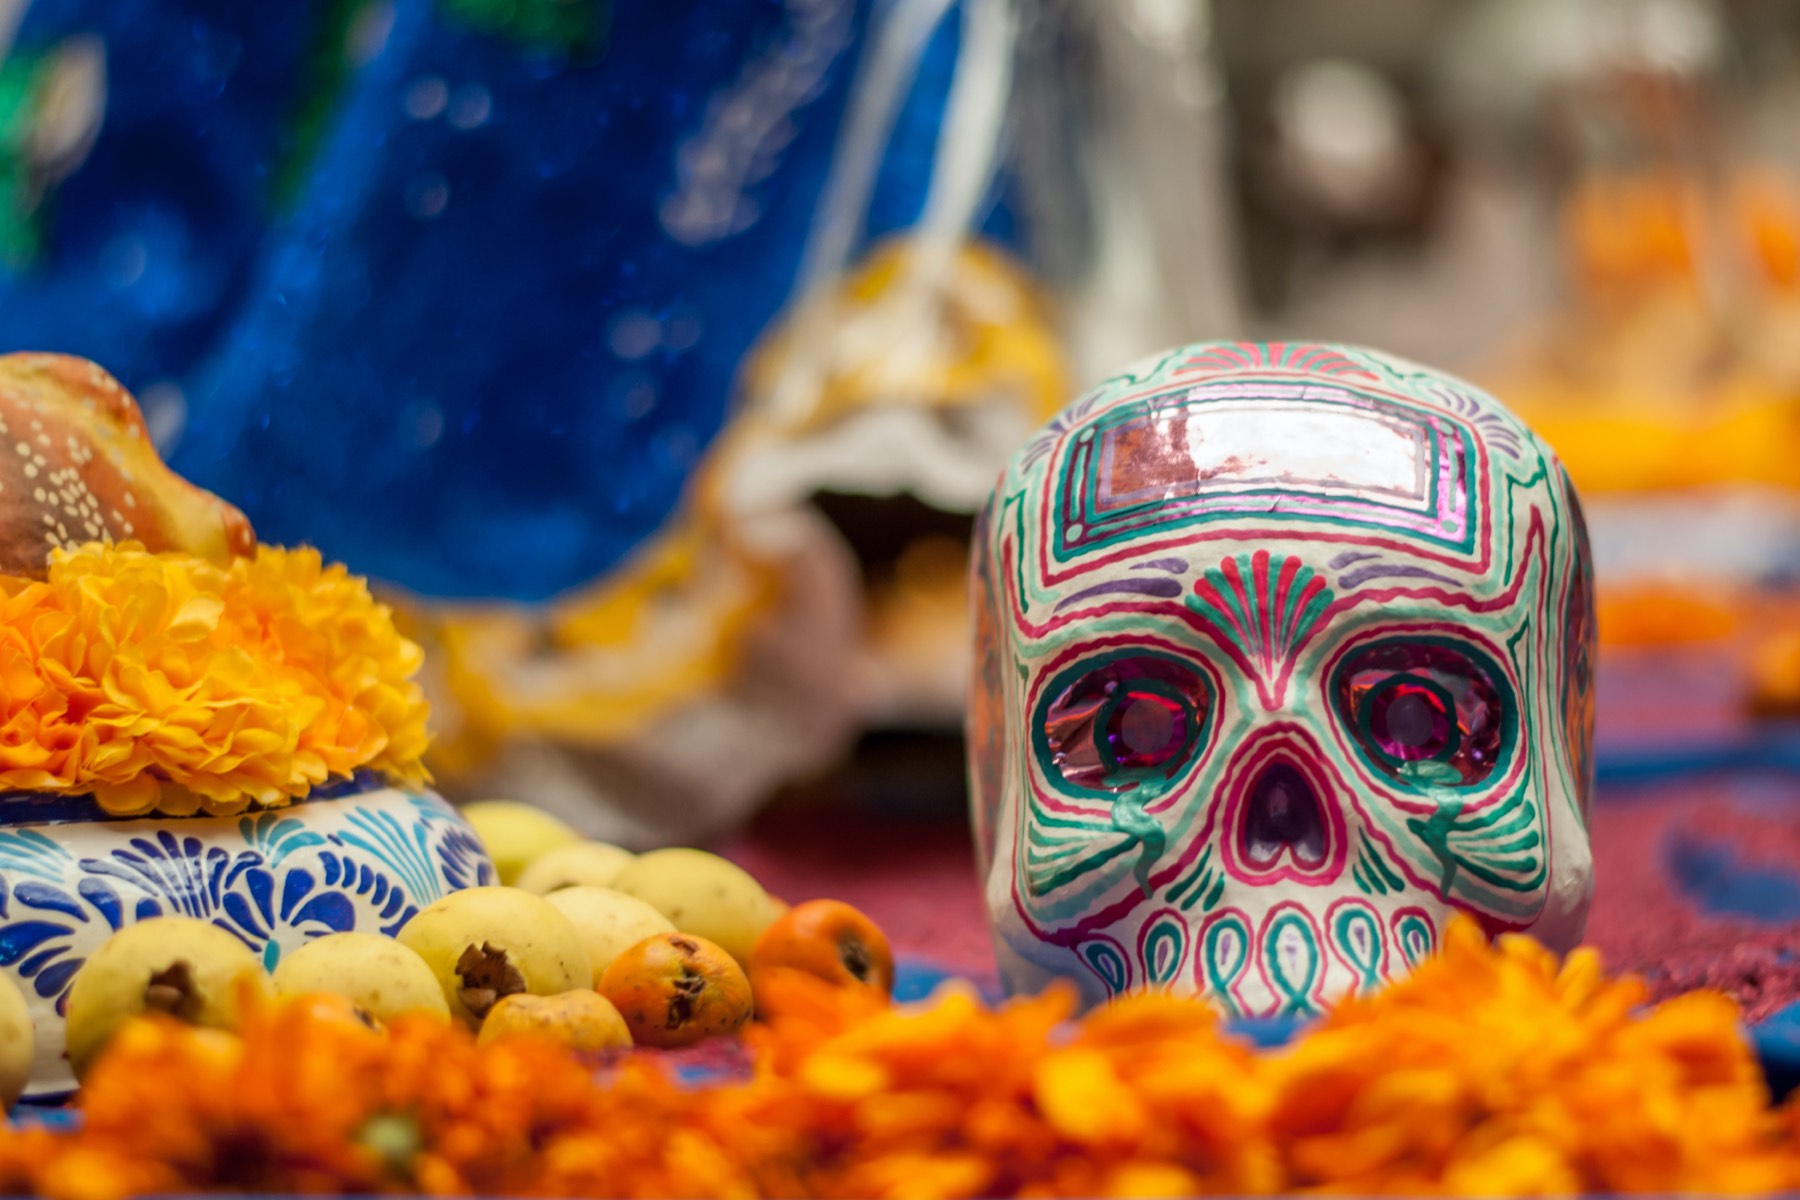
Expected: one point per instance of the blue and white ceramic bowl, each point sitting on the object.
(361, 856)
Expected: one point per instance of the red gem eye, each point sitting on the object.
(1410, 721)
(1426, 712)
(1127, 722)
(1145, 729)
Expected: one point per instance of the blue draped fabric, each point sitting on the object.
(465, 312)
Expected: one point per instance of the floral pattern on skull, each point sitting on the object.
(1283, 655)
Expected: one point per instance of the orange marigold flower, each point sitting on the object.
(1499, 1069)
(162, 682)
(1494, 1070)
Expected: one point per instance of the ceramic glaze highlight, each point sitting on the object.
(1283, 655)
(363, 856)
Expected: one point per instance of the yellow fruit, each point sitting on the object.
(585, 864)
(704, 895)
(609, 922)
(175, 965)
(485, 944)
(516, 834)
(377, 974)
(584, 1021)
(16, 1045)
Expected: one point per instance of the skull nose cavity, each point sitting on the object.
(1284, 813)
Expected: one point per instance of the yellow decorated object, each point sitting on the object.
(882, 337)
(599, 665)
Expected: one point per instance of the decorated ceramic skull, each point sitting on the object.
(1283, 656)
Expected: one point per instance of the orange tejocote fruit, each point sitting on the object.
(77, 465)
(830, 940)
(675, 989)
(332, 1009)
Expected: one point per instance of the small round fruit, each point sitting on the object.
(609, 922)
(331, 1009)
(584, 1021)
(702, 894)
(484, 944)
(375, 973)
(16, 1045)
(175, 965)
(828, 939)
(675, 989)
(515, 834)
(585, 864)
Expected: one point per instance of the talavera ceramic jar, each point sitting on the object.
(157, 661)
(357, 856)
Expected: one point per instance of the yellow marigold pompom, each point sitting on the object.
(163, 682)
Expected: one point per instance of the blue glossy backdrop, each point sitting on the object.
(460, 306)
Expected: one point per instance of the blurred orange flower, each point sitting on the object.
(1499, 1069)
(1495, 1070)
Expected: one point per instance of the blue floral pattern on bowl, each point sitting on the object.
(360, 856)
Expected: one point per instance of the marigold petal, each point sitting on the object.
(1082, 1097)
(131, 797)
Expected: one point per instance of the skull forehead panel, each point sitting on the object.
(1283, 655)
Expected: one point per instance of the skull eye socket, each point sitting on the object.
(1125, 722)
(1429, 713)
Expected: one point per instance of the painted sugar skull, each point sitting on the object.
(1283, 656)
